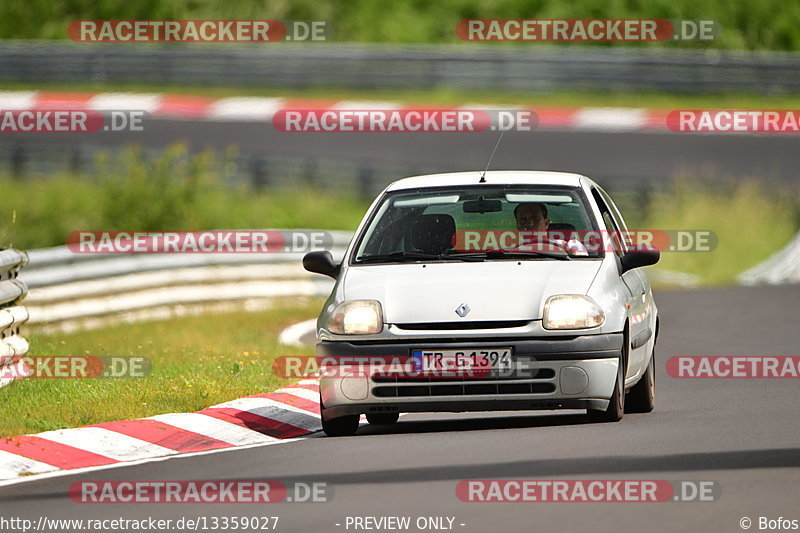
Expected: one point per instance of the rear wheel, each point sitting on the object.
(382, 419)
(616, 406)
(341, 426)
(642, 397)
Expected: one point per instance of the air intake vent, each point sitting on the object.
(474, 389)
(399, 377)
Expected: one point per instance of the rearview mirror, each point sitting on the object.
(640, 255)
(482, 205)
(321, 263)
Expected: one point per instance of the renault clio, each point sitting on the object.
(487, 291)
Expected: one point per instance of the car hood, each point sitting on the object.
(493, 290)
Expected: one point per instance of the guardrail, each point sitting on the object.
(80, 291)
(781, 267)
(530, 67)
(12, 315)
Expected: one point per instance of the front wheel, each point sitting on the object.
(642, 397)
(342, 426)
(382, 419)
(616, 406)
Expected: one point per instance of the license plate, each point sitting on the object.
(476, 362)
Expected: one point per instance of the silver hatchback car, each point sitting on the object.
(487, 291)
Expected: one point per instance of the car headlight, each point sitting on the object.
(572, 311)
(356, 317)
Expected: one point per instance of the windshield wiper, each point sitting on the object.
(502, 254)
(411, 256)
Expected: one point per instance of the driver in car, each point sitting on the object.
(532, 216)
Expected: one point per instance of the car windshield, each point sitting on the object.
(479, 223)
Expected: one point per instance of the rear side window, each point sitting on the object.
(617, 217)
(612, 225)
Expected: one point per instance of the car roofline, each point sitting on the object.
(492, 177)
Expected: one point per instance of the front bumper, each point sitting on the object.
(570, 372)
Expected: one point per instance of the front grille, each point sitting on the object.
(471, 389)
(463, 339)
(485, 324)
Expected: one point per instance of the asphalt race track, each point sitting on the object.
(601, 155)
(741, 433)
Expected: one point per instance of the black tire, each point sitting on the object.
(342, 426)
(382, 419)
(616, 406)
(642, 397)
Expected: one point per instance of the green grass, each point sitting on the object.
(765, 25)
(448, 96)
(750, 220)
(196, 362)
(176, 192)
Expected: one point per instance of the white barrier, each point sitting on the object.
(79, 291)
(781, 267)
(12, 315)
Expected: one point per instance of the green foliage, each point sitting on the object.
(751, 221)
(175, 192)
(763, 25)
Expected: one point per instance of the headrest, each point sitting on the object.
(433, 234)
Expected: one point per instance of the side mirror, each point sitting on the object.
(321, 263)
(640, 255)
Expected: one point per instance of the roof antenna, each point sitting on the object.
(483, 175)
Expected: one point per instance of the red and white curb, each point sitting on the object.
(261, 419)
(259, 109)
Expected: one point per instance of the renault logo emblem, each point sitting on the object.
(462, 310)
